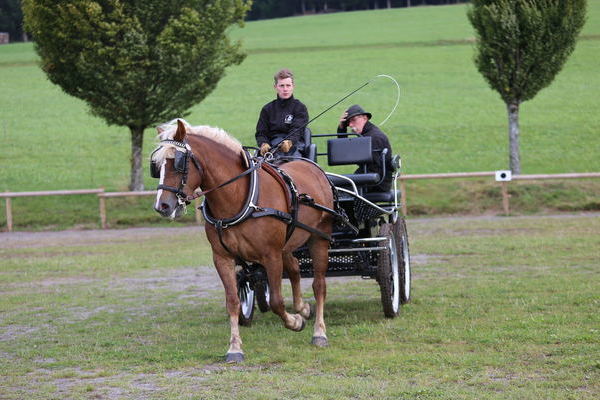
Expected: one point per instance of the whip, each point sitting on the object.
(344, 98)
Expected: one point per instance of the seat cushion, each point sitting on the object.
(381, 197)
(358, 179)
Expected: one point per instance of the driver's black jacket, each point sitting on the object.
(278, 119)
(379, 141)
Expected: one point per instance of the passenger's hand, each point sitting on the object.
(343, 122)
(286, 145)
(265, 147)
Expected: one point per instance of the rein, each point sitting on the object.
(255, 167)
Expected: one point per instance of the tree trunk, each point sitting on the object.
(137, 142)
(513, 138)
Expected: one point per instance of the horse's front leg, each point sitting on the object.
(319, 250)
(292, 267)
(274, 268)
(226, 270)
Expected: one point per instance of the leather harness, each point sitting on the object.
(252, 210)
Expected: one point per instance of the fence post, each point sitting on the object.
(102, 201)
(197, 211)
(403, 197)
(505, 197)
(9, 219)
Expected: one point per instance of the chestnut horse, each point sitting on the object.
(204, 158)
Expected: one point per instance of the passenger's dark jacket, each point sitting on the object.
(379, 141)
(279, 118)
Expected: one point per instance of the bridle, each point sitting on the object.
(183, 155)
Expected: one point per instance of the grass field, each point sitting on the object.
(503, 308)
(448, 119)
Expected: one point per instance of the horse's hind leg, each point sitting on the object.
(319, 251)
(293, 269)
(226, 269)
(274, 268)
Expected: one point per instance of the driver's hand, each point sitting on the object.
(265, 147)
(286, 145)
(343, 122)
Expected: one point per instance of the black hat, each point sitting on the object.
(356, 110)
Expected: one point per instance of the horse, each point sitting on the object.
(192, 158)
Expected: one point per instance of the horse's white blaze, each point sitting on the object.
(160, 182)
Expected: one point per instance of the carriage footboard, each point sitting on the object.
(347, 257)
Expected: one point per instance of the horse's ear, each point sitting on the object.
(180, 134)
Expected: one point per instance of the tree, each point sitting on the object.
(135, 62)
(521, 46)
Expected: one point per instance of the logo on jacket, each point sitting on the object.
(288, 119)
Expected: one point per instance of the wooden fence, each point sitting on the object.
(504, 184)
(102, 195)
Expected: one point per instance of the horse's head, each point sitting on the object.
(179, 171)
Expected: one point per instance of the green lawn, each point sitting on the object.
(448, 119)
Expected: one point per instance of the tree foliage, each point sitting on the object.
(137, 62)
(522, 45)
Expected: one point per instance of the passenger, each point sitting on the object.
(358, 120)
(281, 117)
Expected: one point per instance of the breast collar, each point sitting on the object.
(251, 200)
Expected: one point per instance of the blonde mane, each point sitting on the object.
(167, 131)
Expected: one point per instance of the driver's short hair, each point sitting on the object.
(283, 74)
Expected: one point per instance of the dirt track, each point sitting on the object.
(10, 240)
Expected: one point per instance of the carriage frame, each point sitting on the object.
(372, 242)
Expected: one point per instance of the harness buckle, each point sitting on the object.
(255, 207)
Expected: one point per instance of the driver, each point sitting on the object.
(358, 120)
(281, 117)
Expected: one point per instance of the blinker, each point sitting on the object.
(154, 168)
(180, 163)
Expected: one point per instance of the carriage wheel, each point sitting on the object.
(404, 259)
(388, 274)
(246, 295)
(263, 296)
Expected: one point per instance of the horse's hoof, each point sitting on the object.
(302, 325)
(307, 311)
(319, 341)
(231, 358)
(311, 311)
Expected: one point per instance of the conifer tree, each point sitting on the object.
(521, 46)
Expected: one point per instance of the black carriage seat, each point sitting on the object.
(352, 150)
(358, 150)
(390, 196)
(309, 149)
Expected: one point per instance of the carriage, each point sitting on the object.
(266, 219)
(370, 242)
